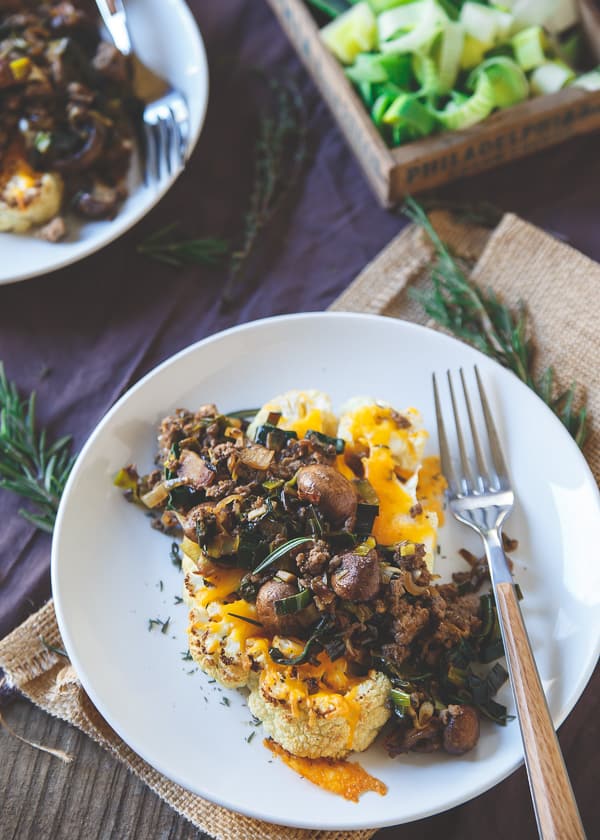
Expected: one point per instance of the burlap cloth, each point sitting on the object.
(517, 260)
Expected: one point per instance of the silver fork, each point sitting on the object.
(480, 495)
(166, 116)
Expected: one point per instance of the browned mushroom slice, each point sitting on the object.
(461, 728)
(330, 491)
(195, 469)
(358, 577)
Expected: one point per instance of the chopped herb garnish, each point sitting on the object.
(158, 622)
(161, 585)
(186, 656)
(225, 701)
(250, 737)
(178, 599)
(175, 555)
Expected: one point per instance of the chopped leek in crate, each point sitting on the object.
(424, 66)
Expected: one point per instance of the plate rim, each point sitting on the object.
(116, 230)
(356, 824)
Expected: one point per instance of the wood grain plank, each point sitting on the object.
(94, 798)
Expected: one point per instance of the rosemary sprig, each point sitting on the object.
(279, 156)
(166, 247)
(30, 465)
(481, 319)
(280, 151)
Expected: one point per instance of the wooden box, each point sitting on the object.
(423, 164)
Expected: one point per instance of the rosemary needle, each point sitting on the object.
(30, 465)
(480, 318)
(167, 246)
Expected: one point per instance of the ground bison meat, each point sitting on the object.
(297, 454)
(221, 489)
(395, 592)
(181, 425)
(315, 561)
(408, 623)
(460, 620)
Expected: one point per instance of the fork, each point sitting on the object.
(166, 119)
(482, 498)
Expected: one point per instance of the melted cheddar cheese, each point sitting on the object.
(391, 455)
(342, 777)
(304, 687)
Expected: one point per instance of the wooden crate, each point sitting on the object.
(423, 164)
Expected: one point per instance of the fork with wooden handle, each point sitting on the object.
(482, 498)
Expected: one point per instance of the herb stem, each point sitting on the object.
(30, 466)
(456, 303)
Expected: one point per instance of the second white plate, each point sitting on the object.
(167, 40)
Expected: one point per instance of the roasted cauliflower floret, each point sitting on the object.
(217, 652)
(217, 640)
(317, 711)
(300, 411)
(27, 197)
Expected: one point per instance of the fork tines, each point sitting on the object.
(166, 130)
(468, 480)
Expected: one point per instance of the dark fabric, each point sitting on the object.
(83, 335)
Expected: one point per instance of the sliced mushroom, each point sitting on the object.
(358, 576)
(93, 132)
(461, 728)
(286, 625)
(101, 202)
(203, 513)
(410, 739)
(194, 468)
(330, 491)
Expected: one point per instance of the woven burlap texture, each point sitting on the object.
(517, 261)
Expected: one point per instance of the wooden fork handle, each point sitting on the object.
(554, 803)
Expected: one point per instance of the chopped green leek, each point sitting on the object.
(379, 6)
(550, 77)
(379, 68)
(353, 32)
(486, 24)
(407, 110)
(473, 110)
(415, 62)
(400, 701)
(588, 81)
(447, 53)
(429, 21)
(530, 47)
(509, 83)
(294, 603)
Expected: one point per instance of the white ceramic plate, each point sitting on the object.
(108, 565)
(167, 40)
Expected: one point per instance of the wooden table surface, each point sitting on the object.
(96, 798)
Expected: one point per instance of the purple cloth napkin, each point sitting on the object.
(81, 336)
